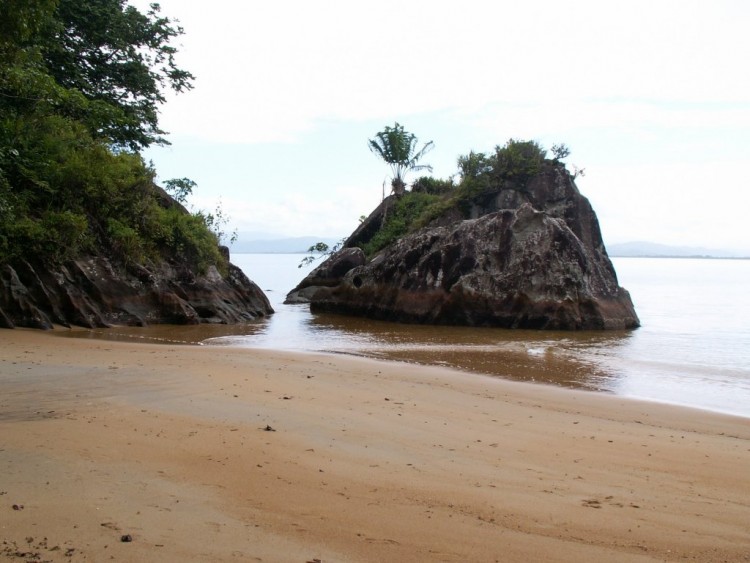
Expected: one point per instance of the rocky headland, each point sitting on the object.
(103, 288)
(86, 236)
(94, 292)
(517, 254)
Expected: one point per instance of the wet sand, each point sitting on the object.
(224, 454)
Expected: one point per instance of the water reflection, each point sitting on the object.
(560, 358)
(167, 334)
(693, 348)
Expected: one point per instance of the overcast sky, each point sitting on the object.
(652, 97)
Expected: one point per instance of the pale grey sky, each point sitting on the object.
(652, 97)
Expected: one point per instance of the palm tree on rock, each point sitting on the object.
(398, 148)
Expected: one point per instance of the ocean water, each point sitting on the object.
(693, 347)
(694, 343)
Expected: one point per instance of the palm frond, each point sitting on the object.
(397, 148)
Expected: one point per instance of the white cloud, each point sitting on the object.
(268, 71)
(296, 213)
(682, 204)
(560, 116)
(652, 97)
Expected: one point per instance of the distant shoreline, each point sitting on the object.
(633, 249)
(645, 249)
(691, 257)
(671, 256)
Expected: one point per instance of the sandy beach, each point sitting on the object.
(223, 454)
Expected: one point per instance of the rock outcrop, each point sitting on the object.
(530, 258)
(94, 292)
(328, 274)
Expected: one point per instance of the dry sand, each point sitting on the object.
(366, 461)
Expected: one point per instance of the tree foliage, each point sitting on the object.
(179, 188)
(510, 167)
(319, 250)
(560, 151)
(398, 148)
(80, 84)
(120, 60)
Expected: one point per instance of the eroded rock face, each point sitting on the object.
(514, 268)
(531, 258)
(92, 292)
(328, 274)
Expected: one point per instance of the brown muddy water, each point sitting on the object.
(693, 348)
(519, 354)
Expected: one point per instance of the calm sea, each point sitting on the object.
(693, 347)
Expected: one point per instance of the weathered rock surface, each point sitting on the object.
(530, 258)
(93, 292)
(328, 274)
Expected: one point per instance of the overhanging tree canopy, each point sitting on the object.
(115, 55)
(100, 62)
(80, 85)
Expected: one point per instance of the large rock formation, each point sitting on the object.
(93, 292)
(524, 258)
(103, 289)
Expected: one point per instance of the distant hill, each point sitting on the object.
(293, 245)
(655, 250)
(260, 243)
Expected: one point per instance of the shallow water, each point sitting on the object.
(693, 348)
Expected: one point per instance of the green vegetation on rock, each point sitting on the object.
(80, 85)
(405, 214)
(510, 166)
